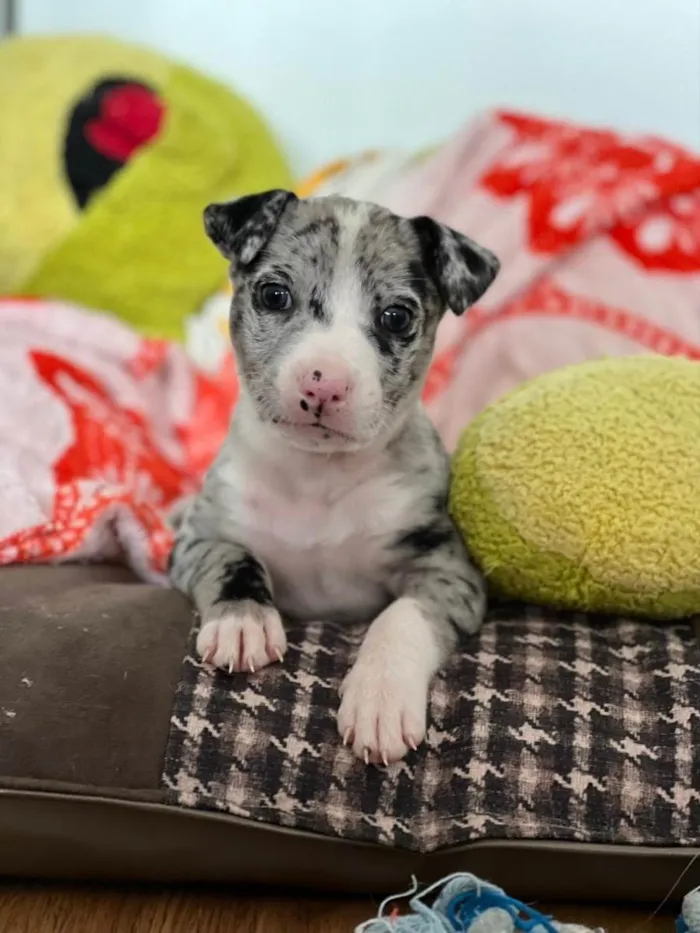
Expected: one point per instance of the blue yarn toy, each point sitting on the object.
(465, 904)
(689, 920)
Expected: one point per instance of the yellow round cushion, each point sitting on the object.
(581, 489)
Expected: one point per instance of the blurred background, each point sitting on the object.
(562, 134)
(335, 77)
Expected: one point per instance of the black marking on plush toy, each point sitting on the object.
(86, 167)
(244, 579)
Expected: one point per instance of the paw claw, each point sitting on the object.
(382, 712)
(241, 636)
(278, 654)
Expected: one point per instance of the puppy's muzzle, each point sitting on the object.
(324, 387)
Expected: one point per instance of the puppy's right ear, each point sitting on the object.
(239, 229)
(461, 269)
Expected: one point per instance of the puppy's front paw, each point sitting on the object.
(242, 636)
(382, 712)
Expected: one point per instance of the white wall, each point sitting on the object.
(335, 76)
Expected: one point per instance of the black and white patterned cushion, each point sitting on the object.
(544, 726)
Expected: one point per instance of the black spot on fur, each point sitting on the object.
(244, 579)
(181, 548)
(381, 341)
(419, 279)
(472, 587)
(391, 346)
(304, 405)
(316, 305)
(428, 537)
(328, 226)
(440, 502)
(317, 374)
(429, 239)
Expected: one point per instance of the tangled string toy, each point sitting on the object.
(463, 903)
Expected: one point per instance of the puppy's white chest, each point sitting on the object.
(327, 550)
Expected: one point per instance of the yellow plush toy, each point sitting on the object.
(109, 154)
(580, 490)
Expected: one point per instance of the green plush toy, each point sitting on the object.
(581, 489)
(109, 154)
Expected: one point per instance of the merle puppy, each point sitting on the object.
(328, 498)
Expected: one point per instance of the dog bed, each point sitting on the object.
(562, 757)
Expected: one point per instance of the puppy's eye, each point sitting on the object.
(395, 320)
(275, 297)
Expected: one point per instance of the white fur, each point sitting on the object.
(242, 637)
(385, 696)
(344, 338)
(319, 524)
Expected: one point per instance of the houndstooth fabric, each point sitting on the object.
(545, 726)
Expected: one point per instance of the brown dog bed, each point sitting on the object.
(563, 757)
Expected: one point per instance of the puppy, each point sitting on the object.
(328, 499)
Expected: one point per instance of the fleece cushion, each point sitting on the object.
(577, 490)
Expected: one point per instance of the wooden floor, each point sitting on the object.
(41, 909)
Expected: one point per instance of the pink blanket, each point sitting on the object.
(599, 239)
(101, 431)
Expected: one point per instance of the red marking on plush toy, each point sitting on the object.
(130, 116)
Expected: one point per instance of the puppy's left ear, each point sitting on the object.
(461, 269)
(239, 229)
